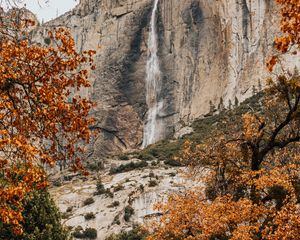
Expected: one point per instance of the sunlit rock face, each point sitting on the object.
(208, 51)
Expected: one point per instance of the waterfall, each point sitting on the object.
(153, 126)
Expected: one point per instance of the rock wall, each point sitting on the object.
(210, 51)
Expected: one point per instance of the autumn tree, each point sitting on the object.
(290, 27)
(41, 122)
(253, 185)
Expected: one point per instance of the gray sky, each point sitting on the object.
(50, 10)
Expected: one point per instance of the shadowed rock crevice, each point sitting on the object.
(131, 84)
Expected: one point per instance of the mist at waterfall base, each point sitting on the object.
(153, 130)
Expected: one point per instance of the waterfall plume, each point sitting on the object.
(153, 126)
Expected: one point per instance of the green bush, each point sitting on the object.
(172, 163)
(66, 215)
(142, 188)
(296, 185)
(145, 156)
(57, 183)
(128, 212)
(89, 216)
(116, 220)
(128, 167)
(95, 166)
(42, 220)
(100, 189)
(134, 234)
(162, 151)
(89, 233)
(114, 204)
(69, 209)
(153, 183)
(88, 201)
(124, 157)
(119, 187)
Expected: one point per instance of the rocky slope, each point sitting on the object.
(138, 190)
(210, 52)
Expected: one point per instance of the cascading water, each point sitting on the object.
(153, 126)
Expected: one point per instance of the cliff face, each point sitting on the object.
(209, 51)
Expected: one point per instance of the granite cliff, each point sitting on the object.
(210, 52)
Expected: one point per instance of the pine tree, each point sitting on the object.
(42, 220)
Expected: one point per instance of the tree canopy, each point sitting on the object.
(41, 122)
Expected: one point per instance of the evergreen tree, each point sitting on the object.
(42, 220)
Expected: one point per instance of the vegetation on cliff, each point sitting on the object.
(41, 123)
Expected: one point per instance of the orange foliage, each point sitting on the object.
(40, 121)
(253, 185)
(290, 26)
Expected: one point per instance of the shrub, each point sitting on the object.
(116, 220)
(65, 215)
(124, 157)
(89, 216)
(153, 183)
(210, 192)
(128, 167)
(89, 233)
(151, 175)
(145, 156)
(172, 163)
(114, 204)
(119, 187)
(100, 189)
(69, 209)
(47, 40)
(162, 150)
(135, 234)
(109, 193)
(95, 166)
(128, 212)
(57, 183)
(88, 201)
(78, 232)
(42, 219)
(154, 163)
